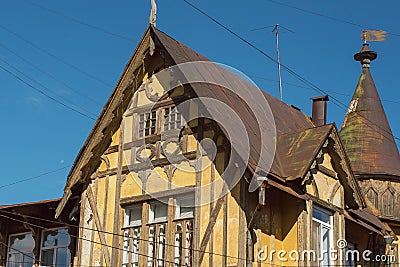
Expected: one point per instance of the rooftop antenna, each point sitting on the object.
(276, 30)
(153, 13)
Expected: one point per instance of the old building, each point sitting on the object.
(29, 235)
(371, 147)
(158, 183)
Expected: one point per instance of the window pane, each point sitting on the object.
(185, 207)
(133, 216)
(24, 242)
(158, 212)
(321, 215)
(63, 257)
(59, 237)
(47, 257)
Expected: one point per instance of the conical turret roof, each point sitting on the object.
(366, 133)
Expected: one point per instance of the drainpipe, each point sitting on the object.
(262, 201)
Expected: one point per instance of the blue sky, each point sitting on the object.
(40, 135)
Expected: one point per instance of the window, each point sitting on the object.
(184, 207)
(373, 197)
(322, 236)
(20, 250)
(147, 123)
(158, 212)
(387, 203)
(183, 230)
(54, 249)
(172, 119)
(151, 236)
(132, 223)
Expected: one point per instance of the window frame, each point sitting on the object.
(329, 226)
(54, 248)
(19, 251)
(155, 247)
(178, 216)
(138, 122)
(163, 118)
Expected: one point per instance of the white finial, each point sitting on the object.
(153, 13)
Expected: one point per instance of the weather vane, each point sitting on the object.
(373, 36)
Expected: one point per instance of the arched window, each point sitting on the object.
(372, 196)
(387, 203)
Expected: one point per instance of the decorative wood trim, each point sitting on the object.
(161, 194)
(197, 259)
(225, 231)
(211, 205)
(327, 171)
(100, 230)
(115, 260)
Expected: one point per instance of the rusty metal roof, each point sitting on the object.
(31, 204)
(286, 118)
(297, 137)
(366, 133)
(297, 150)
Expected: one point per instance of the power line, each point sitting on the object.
(290, 71)
(54, 56)
(45, 87)
(34, 177)
(48, 74)
(97, 28)
(326, 16)
(306, 87)
(115, 234)
(94, 242)
(44, 93)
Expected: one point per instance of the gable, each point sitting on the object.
(330, 175)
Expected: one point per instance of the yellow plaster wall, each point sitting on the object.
(131, 186)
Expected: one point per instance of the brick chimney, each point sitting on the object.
(319, 109)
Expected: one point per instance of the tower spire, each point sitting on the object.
(366, 132)
(153, 13)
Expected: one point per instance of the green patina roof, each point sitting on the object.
(366, 133)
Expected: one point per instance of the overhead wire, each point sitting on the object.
(329, 91)
(34, 177)
(97, 28)
(293, 73)
(45, 94)
(30, 63)
(115, 234)
(54, 56)
(92, 241)
(121, 249)
(327, 17)
(45, 87)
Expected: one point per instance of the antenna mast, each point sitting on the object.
(276, 30)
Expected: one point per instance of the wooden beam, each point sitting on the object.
(99, 226)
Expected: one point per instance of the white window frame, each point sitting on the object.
(164, 119)
(330, 229)
(19, 251)
(127, 222)
(152, 218)
(54, 247)
(179, 200)
(138, 114)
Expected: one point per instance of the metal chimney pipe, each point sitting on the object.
(319, 110)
